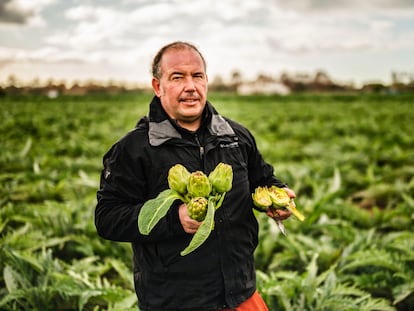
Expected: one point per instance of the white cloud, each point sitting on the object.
(340, 5)
(251, 24)
(23, 11)
(234, 34)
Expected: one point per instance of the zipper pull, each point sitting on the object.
(201, 148)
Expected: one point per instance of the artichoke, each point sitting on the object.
(261, 198)
(279, 197)
(198, 185)
(221, 178)
(197, 208)
(178, 177)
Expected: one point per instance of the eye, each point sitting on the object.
(199, 75)
(176, 77)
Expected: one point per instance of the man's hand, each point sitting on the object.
(282, 214)
(290, 192)
(189, 225)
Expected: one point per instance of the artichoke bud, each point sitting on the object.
(178, 177)
(198, 185)
(279, 197)
(261, 198)
(197, 208)
(221, 178)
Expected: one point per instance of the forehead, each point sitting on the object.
(182, 59)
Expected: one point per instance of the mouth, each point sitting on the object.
(190, 100)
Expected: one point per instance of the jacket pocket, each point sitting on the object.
(169, 250)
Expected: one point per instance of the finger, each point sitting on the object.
(283, 214)
(290, 192)
(270, 213)
(191, 224)
(190, 230)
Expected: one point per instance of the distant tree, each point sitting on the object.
(321, 77)
(236, 78)
(219, 85)
(263, 78)
(36, 82)
(12, 80)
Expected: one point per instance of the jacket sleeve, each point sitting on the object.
(261, 173)
(121, 195)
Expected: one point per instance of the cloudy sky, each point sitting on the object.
(351, 40)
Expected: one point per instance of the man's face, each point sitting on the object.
(182, 87)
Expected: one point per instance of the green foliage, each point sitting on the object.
(350, 159)
(311, 290)
(50, 255)
(350, 163)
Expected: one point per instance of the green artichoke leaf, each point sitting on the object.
(204, 230)
(155, 209)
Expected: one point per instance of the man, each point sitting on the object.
(183, 127)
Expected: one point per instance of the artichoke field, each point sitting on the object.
(349, 158)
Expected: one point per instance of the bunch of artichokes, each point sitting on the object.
(202, 195)
(275, 198)
(197, 187)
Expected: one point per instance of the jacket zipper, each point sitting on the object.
(200, 148)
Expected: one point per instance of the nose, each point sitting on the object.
(189, 85)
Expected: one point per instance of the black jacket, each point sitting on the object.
(221, 272)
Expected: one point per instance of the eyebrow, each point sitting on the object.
(180, 73)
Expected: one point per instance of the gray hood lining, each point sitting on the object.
(163, 131)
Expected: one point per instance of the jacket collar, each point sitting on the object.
(162, 129)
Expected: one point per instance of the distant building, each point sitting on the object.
(77, 90)
(263, 87)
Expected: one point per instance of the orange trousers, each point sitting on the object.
(254, 303)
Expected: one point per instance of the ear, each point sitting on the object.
(156, 86)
